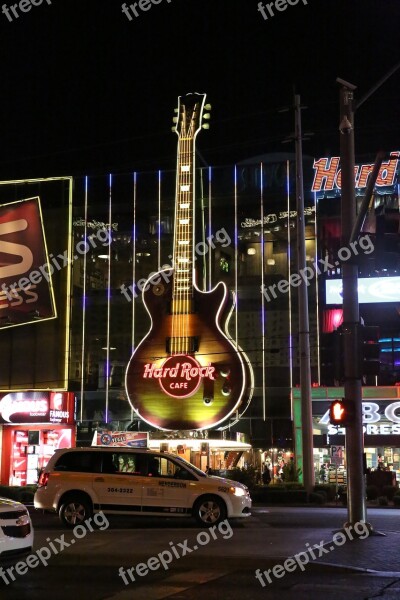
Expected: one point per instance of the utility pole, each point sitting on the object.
(351, 316)
(307, 461)
(356, 508)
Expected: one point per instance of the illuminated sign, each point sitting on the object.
(95, 224)
(26, 294)
(371, 419)
(37, 407)
(180, 375)
(370, 290)
(275, 217)
(132, 439)
(328, 175)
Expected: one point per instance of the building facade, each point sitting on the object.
(109, 234)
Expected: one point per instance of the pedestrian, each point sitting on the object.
(322, 474)
(209, 470)
(266, 475)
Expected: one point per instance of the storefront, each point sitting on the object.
(381, 420)
(33, 426)
(217, 454)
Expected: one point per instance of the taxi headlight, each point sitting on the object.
(237, 491)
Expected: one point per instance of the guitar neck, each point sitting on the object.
(184, 227)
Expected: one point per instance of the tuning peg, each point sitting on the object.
(208, 107)
(207, 116)
(173, 129)
(206, 126)
(176, 110)
(175, 120)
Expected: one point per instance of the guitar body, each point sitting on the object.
(172, 402)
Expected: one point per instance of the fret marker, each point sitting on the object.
(185, 205)
(185, 168)
(183, 260)
(183, 242)
(183, 221)
(185, 188)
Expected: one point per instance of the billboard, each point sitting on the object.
(37, 407)
(132, 439)
(370, 290)
(26, 293)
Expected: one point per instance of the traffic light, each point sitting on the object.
(341, 412)
(368, 350)
(332, 354)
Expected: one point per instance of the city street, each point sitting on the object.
(224, 567)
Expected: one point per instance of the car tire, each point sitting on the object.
(75, 510)
(209, 510)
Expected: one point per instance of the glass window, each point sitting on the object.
(83, 462)
(165, 467)
(123, 462)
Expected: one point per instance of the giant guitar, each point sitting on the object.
(187, 373)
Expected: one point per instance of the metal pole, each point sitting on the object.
(304, 333)
(356, 508)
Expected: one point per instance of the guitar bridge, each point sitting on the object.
(182, 345)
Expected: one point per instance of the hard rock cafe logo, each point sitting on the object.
(328, 175)
(180, 375)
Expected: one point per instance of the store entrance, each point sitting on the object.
(27, 449)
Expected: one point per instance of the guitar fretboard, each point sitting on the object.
(183, 238)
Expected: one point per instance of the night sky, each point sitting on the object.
(85, 90)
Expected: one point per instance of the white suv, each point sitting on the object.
(80, 481)
(16, 532)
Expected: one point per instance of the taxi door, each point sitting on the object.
(119, 485)
(167, 487)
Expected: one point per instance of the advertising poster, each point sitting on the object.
(132, 439)
(37, 407)
(26, 293)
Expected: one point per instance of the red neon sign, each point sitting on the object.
(328, 176)
(180, 375)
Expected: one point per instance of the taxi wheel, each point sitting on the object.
(75, 510)
(209, 510)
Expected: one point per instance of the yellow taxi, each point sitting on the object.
(78, 482)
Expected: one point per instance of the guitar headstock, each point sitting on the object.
(190, 115)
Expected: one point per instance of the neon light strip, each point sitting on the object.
(209, 226)
(262, 288)
(236, 259)
(134, 257)
(289, 274)
(84, 304)
(69, 287)
(159, 221)
(316, 286)
(108, 299)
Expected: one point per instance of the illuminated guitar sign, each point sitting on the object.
(187, 373)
